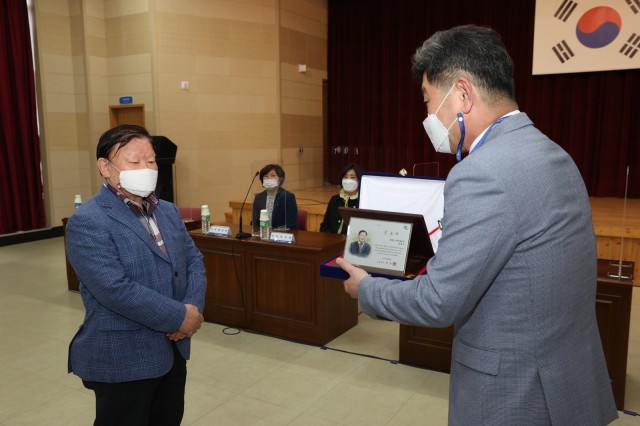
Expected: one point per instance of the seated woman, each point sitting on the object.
(280, 203)
(348, 197)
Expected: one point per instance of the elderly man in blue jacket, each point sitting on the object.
(142, 282)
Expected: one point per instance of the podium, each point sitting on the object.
(276, 288)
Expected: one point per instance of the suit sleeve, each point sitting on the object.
(94, 256)
(325, 226)
(291, 207)
(255, 211)
(196, 274)
(478, 239)
(353, 248)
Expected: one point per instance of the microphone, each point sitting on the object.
(241, 235)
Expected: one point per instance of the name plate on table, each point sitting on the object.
(282, 237)
(219, 230)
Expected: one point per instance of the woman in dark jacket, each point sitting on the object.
(280, 203)
(348, 197)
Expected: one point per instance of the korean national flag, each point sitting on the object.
(586, 35)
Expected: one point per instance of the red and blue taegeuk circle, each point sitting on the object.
(598, 27)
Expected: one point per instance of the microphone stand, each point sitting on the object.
(242, 235)
(428, 164)
(620, 263)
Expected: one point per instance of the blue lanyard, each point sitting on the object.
(462, 133)
(484, 137)
(481, 141)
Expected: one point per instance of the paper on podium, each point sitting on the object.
(406, 194)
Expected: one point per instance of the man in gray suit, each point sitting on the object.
(515, 271)
(142, 282)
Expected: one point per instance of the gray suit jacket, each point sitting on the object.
(132, 292)
(515, 273)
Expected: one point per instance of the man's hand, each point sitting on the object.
(176, 335)
(193, 319)
(355, 276)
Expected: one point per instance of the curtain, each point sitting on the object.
(375, 109)
(21, 203)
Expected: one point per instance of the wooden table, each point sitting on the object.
(613, 311)
(276, 288)
(609, 216)
(431, 347)
(615, 240)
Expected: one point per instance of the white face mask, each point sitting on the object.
(270, 183)
(437, 132)
(141, 182)
(349, 185)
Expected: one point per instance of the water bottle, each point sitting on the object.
(265, 228)
(77, 202)
(206, 218)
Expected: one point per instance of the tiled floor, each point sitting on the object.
(241, 379)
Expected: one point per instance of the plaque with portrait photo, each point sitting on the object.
(387, 243)
(376, 244)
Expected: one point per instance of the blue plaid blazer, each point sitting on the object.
(133, 293)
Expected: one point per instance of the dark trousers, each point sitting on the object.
(157, 402)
